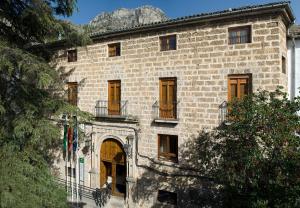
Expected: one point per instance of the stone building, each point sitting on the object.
(153, 87)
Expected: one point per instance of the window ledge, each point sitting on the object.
(169, 121)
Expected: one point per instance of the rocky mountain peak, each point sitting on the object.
(123, 18)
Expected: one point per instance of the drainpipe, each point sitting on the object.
(293, 69)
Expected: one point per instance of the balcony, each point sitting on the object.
(223, 113)
(163, 112)
(111, 109)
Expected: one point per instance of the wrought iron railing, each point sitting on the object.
(165, 110)
(106, 108)
(223, 112)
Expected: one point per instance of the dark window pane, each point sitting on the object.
(114, 49)
(72, 55)
(167, 197)
(239, 35)
(168, 43)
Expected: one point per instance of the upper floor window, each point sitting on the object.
(114, 97)
(114, 49)
(283, 67)
(168, 147)
(72, 93)
(168, 98)
(72, 55)
(167, 42)
(239, 86)
(238, 35)
(167, 198)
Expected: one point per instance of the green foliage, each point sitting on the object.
(32, 101)
(255, 154)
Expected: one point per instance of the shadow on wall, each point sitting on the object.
(190, 180)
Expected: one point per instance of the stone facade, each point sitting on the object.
(201, 63)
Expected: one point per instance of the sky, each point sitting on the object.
(88, 9)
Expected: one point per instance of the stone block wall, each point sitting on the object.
(202, 62)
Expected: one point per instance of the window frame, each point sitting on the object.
(173, 157)
(239, 29)
(73, 85)
(238, 77)
(117, 52)
(72, 58)
(167, 47)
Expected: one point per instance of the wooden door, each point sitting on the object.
(167, 103)
(114, 97)
(112, 155)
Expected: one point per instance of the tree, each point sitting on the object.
(255, 154)
(31, 99)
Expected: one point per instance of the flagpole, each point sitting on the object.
(66, 149)
(77, 163)
(71, 175)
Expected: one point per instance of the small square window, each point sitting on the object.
(239, 35)
(283, 67)
(166, 197)
(114, 49)
(168, 43)
(168, 147)
(72, 55)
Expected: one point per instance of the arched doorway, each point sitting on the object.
(113, 164)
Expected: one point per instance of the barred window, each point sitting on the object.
(72, 55)
(167, 42)
(239, 35)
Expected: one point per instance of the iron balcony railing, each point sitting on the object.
(223, 112)
(165, 110)
(106, 108)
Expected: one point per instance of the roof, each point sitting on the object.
(295, 31)
(282, 7)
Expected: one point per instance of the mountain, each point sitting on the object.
(124, 18)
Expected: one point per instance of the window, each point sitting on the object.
(168, 147)
(166, 197)
(72, 55)
(167, 98)
(114, 97)
(114, 49)
(72, 93)
(167, 42)
(238, 35)
(239, 86)
(283, 67)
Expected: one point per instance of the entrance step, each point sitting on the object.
(115, 202)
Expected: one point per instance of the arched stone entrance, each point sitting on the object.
(113, 164)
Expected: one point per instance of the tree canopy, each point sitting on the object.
(31, 96)
(255, 153)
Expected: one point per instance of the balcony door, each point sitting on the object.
(114, 97)
(239, 86)
(167, 101)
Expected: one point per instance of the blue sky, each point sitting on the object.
(88, 9)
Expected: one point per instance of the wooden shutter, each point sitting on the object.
(239, 86)
(167, 103)
(72, 93)
(114, 97)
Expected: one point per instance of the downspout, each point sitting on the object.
(293, 69)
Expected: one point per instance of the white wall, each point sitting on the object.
(294, 77)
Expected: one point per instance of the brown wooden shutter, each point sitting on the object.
(239, 86)
(72, 93)
(114, 97)
(167, 103)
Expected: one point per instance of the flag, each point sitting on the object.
(70, 139)
(65, 142)
(75, 137)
